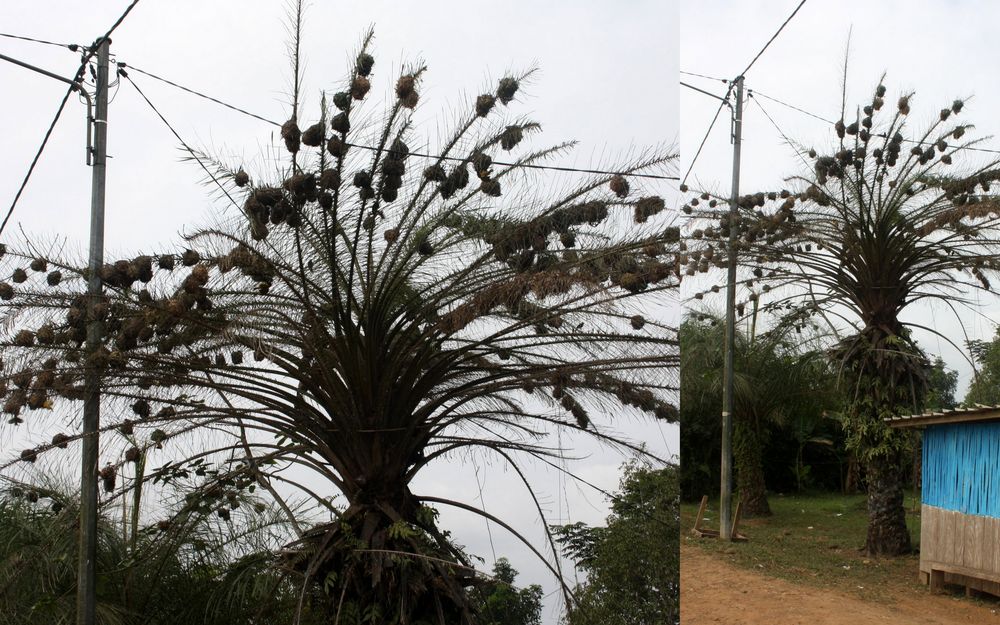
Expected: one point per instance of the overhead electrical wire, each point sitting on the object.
(62, 105)
(773, 37)
(127, 66)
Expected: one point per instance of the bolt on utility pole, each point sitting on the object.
(86, 598)
(725, 505)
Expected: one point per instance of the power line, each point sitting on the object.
(118, 22)
(780, 131)
(702, 91)
(753, 92)
(124, 67)
(71, 46)
(48, 133)
(183, 143)
(697, 153)
(773, 37)
(703, 76)
(38, 154)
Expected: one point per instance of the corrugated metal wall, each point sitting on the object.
(961, 468)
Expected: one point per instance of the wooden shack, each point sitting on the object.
(960, 497)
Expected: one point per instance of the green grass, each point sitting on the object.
(815, 540)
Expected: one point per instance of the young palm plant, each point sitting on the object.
(364, 311)
(779, 377)
(196, 571)
(890, 217)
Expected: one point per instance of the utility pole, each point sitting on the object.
(86, 598)
(725, 506)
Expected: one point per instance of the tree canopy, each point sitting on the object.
(633, 562)
(361, 310)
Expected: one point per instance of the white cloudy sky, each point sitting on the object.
(940, 50)
(608, 79)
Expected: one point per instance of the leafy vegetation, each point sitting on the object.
(633, 562)
(985, 386)
(196, 571)
(503, 603)
(783, 389)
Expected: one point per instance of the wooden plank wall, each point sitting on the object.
(966, 547)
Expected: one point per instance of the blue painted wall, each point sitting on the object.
(961, 468)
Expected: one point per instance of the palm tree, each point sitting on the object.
(196, 571)
(780, 378)
(889, 218)
(366, 311)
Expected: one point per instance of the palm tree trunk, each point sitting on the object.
(887, 532)
(750, 470)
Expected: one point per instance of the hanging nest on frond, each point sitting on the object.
(619, 186)
(484, 104)
(337, 147)
(435, 173)
(313, 136)
(364, 64)
(341, 123)
(406, 91)
(648, 207)
(511, 136)
(360, 87)
(507, 89)
(291, 135)
(108, 477)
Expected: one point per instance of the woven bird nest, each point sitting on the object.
(360, 87)
(511, 136)
(405, 86)
(619, 186)
(507, 89)
(313, 136)
(291, 135)
(341, 123)
(364, 64)
(484, 104)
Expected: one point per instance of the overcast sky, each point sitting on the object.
(940, 50)
(608, 79)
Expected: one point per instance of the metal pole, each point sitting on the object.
(725, 506)
(86, 599)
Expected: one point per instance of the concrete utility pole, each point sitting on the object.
(86, 598)
(726, 503)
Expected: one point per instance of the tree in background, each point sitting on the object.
(942, 383)
(633, 562)
(885, 217)
(362, 312)
(782, 382)
(985, 386)
(503, 603)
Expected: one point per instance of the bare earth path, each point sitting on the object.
(713, 591)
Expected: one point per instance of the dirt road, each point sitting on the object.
(713, 591)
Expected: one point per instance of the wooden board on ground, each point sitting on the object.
(705, 532)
